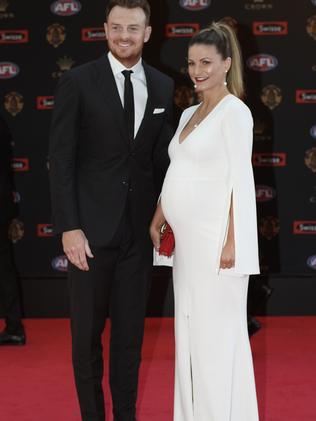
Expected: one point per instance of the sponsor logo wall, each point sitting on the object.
(281, 92)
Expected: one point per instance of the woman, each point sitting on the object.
(208, 198)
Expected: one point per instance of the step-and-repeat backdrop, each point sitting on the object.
(40, 40)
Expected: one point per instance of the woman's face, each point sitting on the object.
(207, 68)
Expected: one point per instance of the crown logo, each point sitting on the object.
(3, 5)
(65, 63)
(260, 127)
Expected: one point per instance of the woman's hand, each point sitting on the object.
(228, 256)
(228, 252)
(155, 235)
(155, 226)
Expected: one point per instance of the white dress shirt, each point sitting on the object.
(138, 79)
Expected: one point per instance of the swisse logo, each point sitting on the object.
(304, 227)
(44, 230)
(313, 132)
(270, 28)
(45, 102)
(65, 7)
(176, 30)
(20, 164)
(276, 159)
(60, 263)
(8, 70)
(92, 34)
(306, 96)
(311, 262)
(11, 36)
(265, 193)
(262, 62)
(195, 4)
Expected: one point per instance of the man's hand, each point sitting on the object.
(76, 248)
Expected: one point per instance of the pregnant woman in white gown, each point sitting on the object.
(208, 198)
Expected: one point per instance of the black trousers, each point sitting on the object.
(9, 289)
(117, 285)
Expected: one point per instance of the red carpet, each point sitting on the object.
(36, 381)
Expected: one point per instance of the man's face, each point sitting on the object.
(126, 32)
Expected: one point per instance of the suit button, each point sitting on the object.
(125, 183)
(130, 189)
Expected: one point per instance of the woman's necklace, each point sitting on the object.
(199, 118)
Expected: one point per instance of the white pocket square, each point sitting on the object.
(159, 110)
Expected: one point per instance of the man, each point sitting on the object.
(109, 137)
(13, 333)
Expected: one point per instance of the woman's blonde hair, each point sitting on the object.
(223, 37)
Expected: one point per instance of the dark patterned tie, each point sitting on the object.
(129, 109)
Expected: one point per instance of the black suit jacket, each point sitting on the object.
(93, 165)
(8, 210)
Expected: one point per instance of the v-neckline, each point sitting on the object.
(202, 121)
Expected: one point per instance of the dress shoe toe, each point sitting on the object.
(12, 339)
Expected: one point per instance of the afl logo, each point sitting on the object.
(265, 193)
(60, 263)
(65, 7)
(313, 131)
(195, 5)
(311, 262)
(262, 62)
(8, 70)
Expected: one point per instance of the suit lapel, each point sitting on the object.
(107, 85)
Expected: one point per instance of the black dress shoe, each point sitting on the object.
(253, 326)
(12, 339)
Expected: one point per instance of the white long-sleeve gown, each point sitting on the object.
(214, 378)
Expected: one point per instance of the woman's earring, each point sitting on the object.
(225, 82)
(194, 86)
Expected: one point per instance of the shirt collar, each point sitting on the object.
(117, 67)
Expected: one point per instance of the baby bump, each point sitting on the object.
(190, 199)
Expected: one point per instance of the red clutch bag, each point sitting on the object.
(167, 241)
